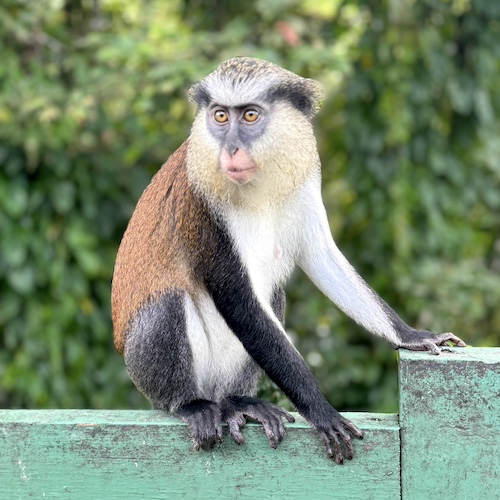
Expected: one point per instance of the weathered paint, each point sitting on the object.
(450, 448)
(80, 454)
(450, 424)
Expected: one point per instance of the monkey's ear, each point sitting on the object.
(199, 95)
(304, 94)
(314, 95)
(301, 102)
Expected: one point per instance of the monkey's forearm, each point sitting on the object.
(342, 284)
(338, 280)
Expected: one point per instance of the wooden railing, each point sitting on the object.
(445, 444)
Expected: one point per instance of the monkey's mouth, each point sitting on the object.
(239, 167)
(241, 175)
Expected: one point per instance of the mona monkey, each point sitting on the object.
(197, 296)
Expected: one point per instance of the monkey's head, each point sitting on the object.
(252, 140)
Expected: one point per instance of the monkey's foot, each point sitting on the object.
(204, 421)
(236, 409)
(423, 340)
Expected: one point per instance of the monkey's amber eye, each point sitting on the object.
(250, 115)
(220, 116)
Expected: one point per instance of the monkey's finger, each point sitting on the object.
(279, 430)
(205, 443)
(218, 432)
(240, 418)
(327, 444)
(337, 446)
(330, 438)
(346, 438)
(285, 414)
(271, 428)
(201, 437)
(273, 437)
(235, 431)
(213, 432)
(353, 429)
(339, 457)
(443, 338)
(429, 345)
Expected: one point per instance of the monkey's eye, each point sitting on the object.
(250, 115)
(220, 116)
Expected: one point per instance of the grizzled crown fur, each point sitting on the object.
(243, 80)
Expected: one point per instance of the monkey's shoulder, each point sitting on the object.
(151, 256)
(169, 182)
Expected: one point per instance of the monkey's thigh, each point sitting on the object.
(222, 367)
(158, 355)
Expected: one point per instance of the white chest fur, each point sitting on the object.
(267, 246)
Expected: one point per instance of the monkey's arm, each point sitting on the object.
(327, 267)
(253, 322)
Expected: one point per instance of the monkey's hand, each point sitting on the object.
(335, 432)
(236, 409)
(204, 421)
(423, 340)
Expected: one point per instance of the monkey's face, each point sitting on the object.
(252, 141)
(254, 154)
(236, 129)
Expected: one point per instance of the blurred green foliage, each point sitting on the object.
(93, 100)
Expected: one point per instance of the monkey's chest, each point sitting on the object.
(266, 249)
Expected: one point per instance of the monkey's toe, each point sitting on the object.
(237, 409)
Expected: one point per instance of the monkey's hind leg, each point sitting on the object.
(236, 409)
(160, 363)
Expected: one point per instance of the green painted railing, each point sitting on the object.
(445, 444)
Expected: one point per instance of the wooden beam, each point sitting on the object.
(108, 455)
(450, 424)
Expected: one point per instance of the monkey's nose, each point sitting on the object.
(233, 151)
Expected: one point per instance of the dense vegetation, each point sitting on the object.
(93, 100)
